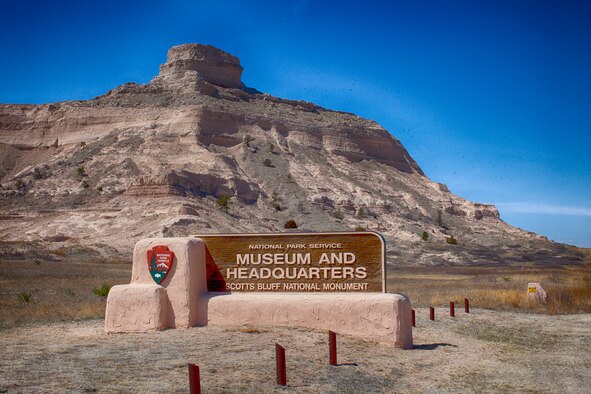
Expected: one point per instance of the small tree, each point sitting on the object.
(224, 202)
(290, 224)
(425, 236)
(451, 240)
(37, 173)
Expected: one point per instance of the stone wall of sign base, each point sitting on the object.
(182, 300)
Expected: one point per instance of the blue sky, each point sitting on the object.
(491, 98)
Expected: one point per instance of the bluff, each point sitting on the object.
(155, 160)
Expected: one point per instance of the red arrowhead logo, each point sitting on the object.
(160, 260)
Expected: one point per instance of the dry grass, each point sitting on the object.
(58, 290)
(568, 288)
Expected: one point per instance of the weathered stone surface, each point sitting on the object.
(202, 62)
(184, 284)
(383, 318)
(136, 308)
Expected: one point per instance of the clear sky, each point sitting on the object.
(491, 98)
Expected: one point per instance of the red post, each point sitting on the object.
(414, 322)
(431, 313)
(332, 348)
(452, 309)
(466, 305)
(194, 379)
(280, 365)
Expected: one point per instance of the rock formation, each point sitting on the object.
(153, 160)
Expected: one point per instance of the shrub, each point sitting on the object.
(83, 144)
(438, 219)
(81, 171)
(360, 212)
(84, 185)
(37, 173)
(70, 293)
(24, 297)
(100, 188)
(290, 224)
(20, 184)
(267, 163)
(359, 228)
(247, 140)
(337, 215)
(451, 240)
(271, 148)
(224, 202)
(102, 291)
(425, 236)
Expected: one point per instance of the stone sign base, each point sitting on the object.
(384, 318)
(182, 300)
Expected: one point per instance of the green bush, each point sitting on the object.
(451, 240)
(290, 224)
(224, 202)
(84, 185)
(81, 171)
(359, 228)
(102, 291)
(425, 236)
(20, 184)
(337, 215)
(25, 297)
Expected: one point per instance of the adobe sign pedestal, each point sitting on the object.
(329, 281)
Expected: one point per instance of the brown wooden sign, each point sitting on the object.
(296, 262)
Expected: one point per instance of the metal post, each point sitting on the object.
(414, 322)
(431, 313)
(452, 309)
(280, 365)
(332, 348)
(194, 379)
(466, 305)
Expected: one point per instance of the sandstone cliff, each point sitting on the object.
(153, 159)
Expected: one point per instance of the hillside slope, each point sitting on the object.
(153, 159)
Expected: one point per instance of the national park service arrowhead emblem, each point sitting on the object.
(160, 260)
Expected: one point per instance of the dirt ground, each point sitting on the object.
(485, 351)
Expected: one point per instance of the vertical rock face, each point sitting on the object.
(195, 61)
(153, 160)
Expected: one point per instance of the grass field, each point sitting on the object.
(568, 287)
(32, 291)
(39, 290)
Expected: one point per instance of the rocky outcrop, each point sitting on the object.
(201, 62)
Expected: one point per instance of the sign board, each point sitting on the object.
(296, 262)
(536, 293)
(160, 260)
